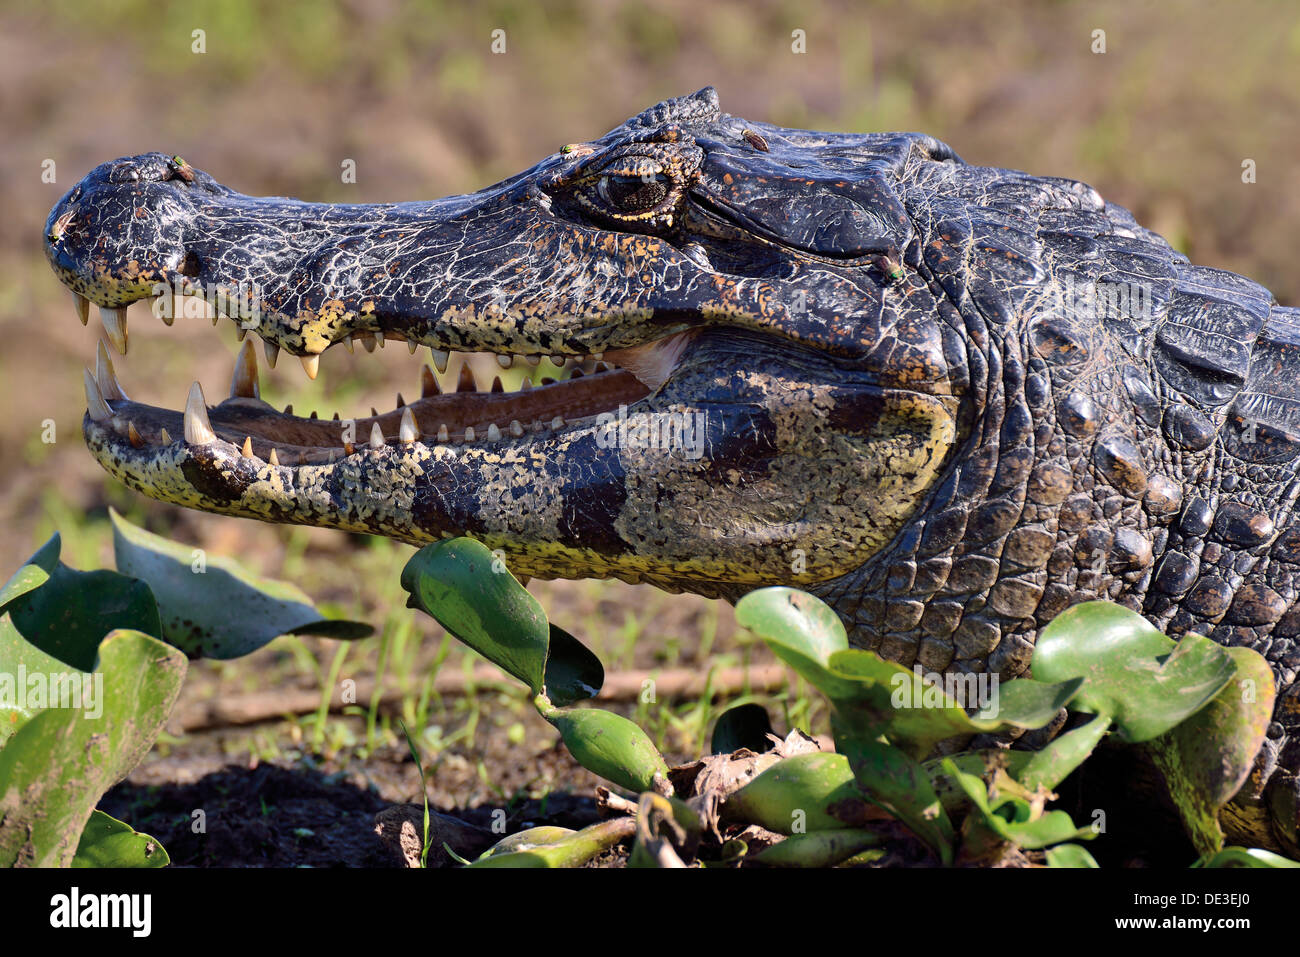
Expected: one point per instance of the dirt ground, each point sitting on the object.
(283, 94)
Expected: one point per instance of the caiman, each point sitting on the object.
(950, 400)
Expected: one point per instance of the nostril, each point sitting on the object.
(190, 265)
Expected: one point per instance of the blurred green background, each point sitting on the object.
(412, 92)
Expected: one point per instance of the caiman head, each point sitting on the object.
(770, 390)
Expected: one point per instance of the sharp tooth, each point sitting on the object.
(443, 434)
(164, 307)
(288, 409)
(576, 373)
(311, 364)
(164, 437)
(603, 367)
(374, 413)
(557, 422)
(105, 377)
(533, 361)
(133, 435)
(440, 358)
(407, 432)
(696, 254)
(376, 436)
(114, 320)
(653, 362)
(496, 384)
(367, 340)
(271, 351)
(347, 343)
(597, 356)
(400, 401)
(505, 362)
(493, 433)
(379, 340)
(244, 380)
(198, 431)
(516, 429)
(313, 414)
(240, 333)
(466, 382)
(247, 450)
(525, 385)
(428, 383)
(547, 380)
(469, 433)
(83, 307)
(273, 458)
(99, 410)
(558, 361)
(335, 417)
(215, 317)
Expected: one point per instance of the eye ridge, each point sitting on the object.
(633, 193)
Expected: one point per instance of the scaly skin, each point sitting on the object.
(909, 406)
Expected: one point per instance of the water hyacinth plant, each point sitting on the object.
(91, 664)
(1198, 708)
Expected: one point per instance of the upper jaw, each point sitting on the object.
(492, 271)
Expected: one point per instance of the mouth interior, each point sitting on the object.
(466, 411)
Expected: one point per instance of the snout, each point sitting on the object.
(119, 231)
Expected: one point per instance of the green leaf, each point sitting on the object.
(1070, 855)
(70, 612)
(1245, 857)
(611, 746)
(33, 574)
(528, 839)
(807, 792)
(1012, 818)
(890, 778)
(1146, 682)
(977, 763)
(1054, 762)
(573, 672)
(456, 582)
(572, 851)
(818, 849)
(54, 770)
(883, 697)
(222, 611)
(744, 726)
(1206, 758)
(1025, 703)
(26, 676)
(107, 842)
(802, 630)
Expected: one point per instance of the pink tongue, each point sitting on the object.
(653, 362)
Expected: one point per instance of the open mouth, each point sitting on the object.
(458, 412)
(707, 404)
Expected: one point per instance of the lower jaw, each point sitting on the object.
(456, 419)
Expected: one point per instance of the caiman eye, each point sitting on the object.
(633, 194)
